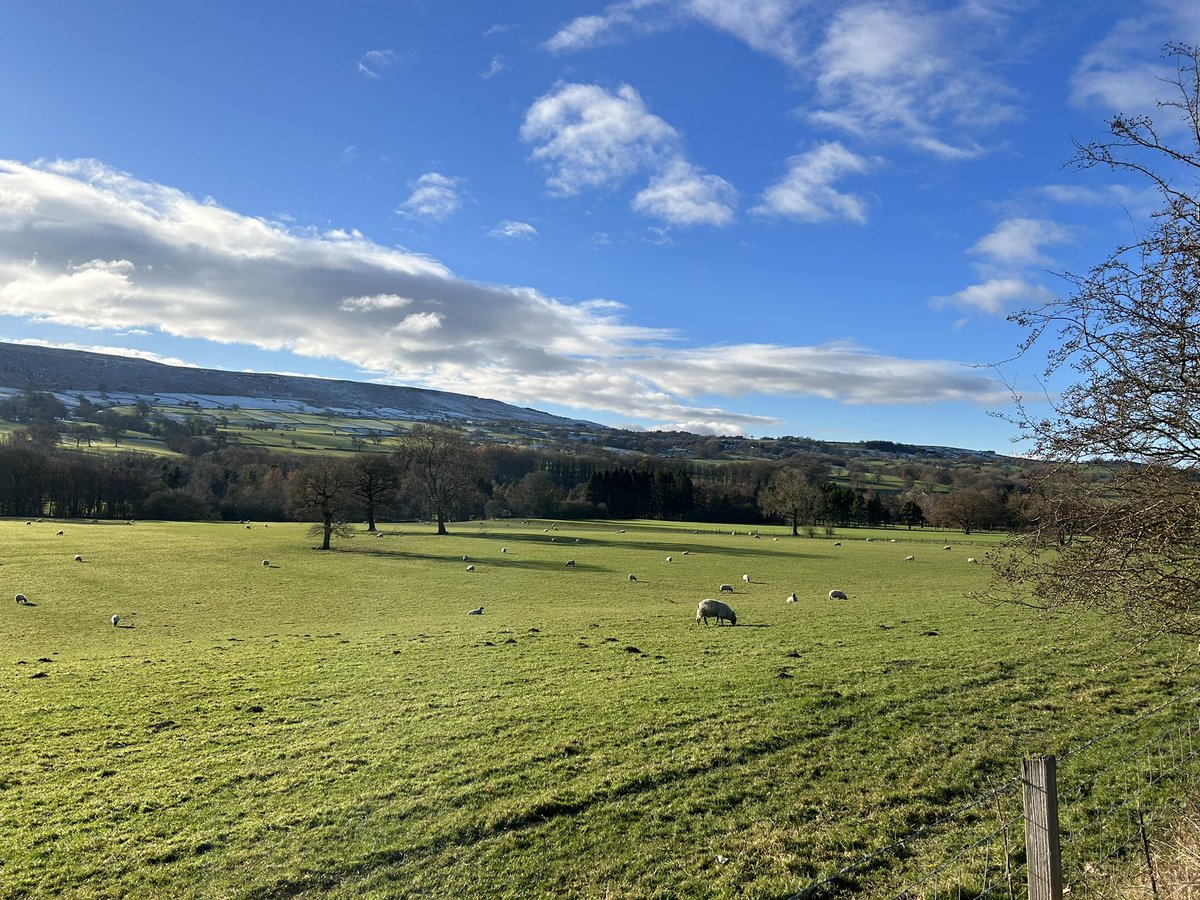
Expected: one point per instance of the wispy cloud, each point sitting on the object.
(1019, 241)
(373, 63)
(90, 246)
(806, 192)
(889, 72)
(516, 231)
(497, 66)
(434, 198)
(1120, 73)
(767, 26)
(1006, 260)
(589, 138)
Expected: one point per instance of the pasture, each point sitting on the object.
(334, 724)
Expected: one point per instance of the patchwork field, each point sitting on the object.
(335, 724)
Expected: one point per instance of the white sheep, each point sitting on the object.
(909, 558)
(972, 560)
(266, 564)
(464, 557)
(58, 534)
(746, 578)
(503, 549)
(571, 563)
(115, 620)
(22, 600)
(668, 559)
(837, 543)
(470, 568)
(686, 552)
(78, 558)
(947, 547)
(837, 595)
(715, 609)
(791, 598)
(633, 578)
(475, 612)
(726, 589)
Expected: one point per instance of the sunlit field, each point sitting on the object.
(268, 720)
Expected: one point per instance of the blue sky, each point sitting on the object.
(726, 216)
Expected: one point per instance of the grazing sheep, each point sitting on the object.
(247, 527)
(791, 598)
(909, 558)
(464, 557)
(947, 547)
(686, 552)
(891, 540)
(571, 563)
(972, 560)
(78, 558)
(475, 612)
(470, 568)
(746, 578)
(716, 609)
(115, 620)
(58, 534)
(266, 564)
(379, 534)
(727, 589)
(668, 559)
(837, 595)
(633, 578)
(837, 543)
(22, 600)
(503, 549)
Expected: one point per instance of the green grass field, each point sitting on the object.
(334, 724)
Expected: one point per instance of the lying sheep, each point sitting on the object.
(909, 558)
(475, 612)
(266, 564)
(22, 600)
(727, 589)
(716, 609)
(838, 595)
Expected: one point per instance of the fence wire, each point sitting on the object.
(1117, 794)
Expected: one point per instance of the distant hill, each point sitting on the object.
(74, 372)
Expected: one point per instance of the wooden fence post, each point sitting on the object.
(1043, 854)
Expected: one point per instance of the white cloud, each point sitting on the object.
(806, 192)
(1018, 241)
(684, 195)
(100, 249)
(435, 197)
(1117, 73)
(893, 72)
(996, 296)
(497, 66)
(592, 138)
(518, 231)
(767, 26)
(372, 63)
(378, 301)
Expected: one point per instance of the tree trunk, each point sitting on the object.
(441, 517)
(370, 516)
(328, 530)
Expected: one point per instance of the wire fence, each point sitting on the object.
(1118, 793)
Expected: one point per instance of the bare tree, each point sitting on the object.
(1115, 521)
(443, 465)
(323, 489)
(791, 495)
(375, 481)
